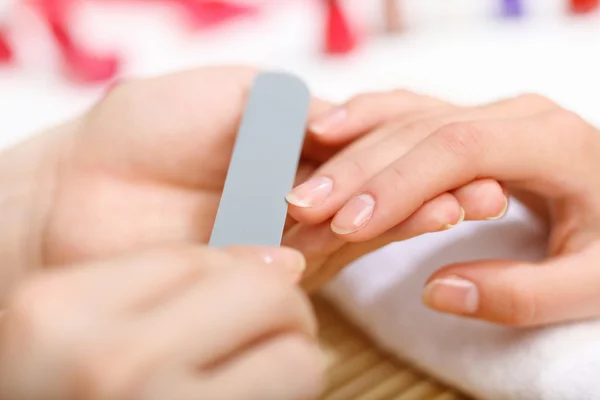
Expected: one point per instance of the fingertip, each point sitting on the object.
(483, 199)
(498, 291)
(285, 258)
(329, 122)
(503, 210)
(461, 218)
(311, 193)
(452, 294)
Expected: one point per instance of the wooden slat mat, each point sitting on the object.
(358, 370)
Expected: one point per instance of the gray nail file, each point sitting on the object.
(263, 166)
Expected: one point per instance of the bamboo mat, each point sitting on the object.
(358, 370)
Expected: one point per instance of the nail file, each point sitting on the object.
(264, 162)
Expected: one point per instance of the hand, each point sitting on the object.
(144, 167)
(160, 325)
(395, 122)
(539, 151)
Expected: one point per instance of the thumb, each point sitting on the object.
(520, 293)
(288, 261)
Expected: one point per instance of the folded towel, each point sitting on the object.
(382, 293)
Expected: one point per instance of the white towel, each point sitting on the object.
(382, 293)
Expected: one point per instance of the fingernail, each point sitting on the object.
(311, 193)
(452, 294)
(461, 218)
(284, 257)
(330, 121)
(354, 215)
(503, 212)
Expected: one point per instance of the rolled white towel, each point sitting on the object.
(382, 293)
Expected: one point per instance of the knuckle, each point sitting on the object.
(463, 140)
(573, 130)
(423, 127)
(572, 122)
(400, 178)
(536, 100)
(403, 94)
(354, 170)
(362, 101)
(393, 183)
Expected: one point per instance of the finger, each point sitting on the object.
(317, 199)
(333, 184)
(135, 281)
(305, 170)
(139, 281)
(229, 310)
(439, 214)
(482, 199)
(460, 153)
(364, 112)
(289, 261)
(287, 367)
(523, 105)
(520, 293)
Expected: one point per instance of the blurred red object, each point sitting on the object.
(80, 64)
(6, 54)
(584, 6)
(208, 13)
(339, 36)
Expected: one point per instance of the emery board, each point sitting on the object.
(264, 162)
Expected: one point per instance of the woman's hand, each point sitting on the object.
(544, 154)
(162, 325)
(144, 167)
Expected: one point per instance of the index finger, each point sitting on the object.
(544, 153)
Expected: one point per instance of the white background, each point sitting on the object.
(457, 49)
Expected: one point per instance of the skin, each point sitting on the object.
(150, 326)
(104, 224)
(145, 167)
(540, 152)
(139, 177)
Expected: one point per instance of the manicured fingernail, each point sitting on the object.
(503, 212)
(461, 218)
(354, 215)
(286, 257)
(311, 193)
(330, 121)
(452, 294)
